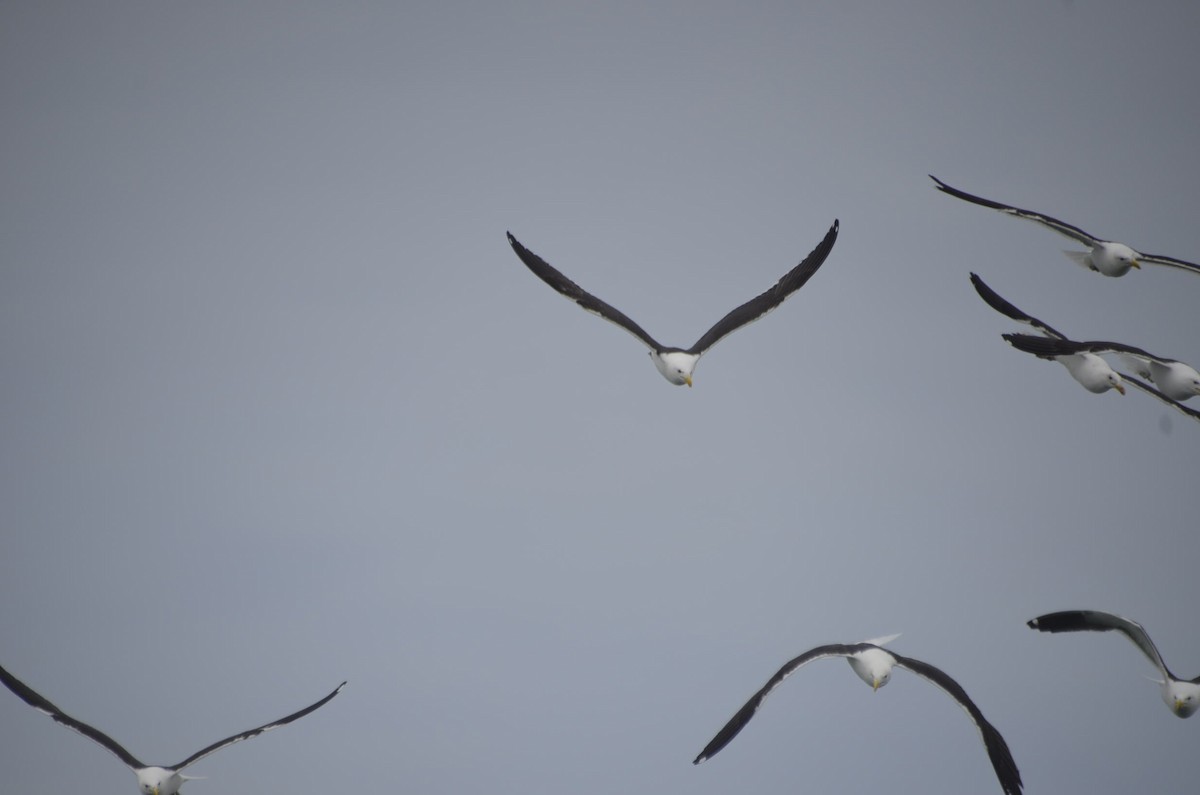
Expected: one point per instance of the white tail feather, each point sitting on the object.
(886, 639)
(1083, 258)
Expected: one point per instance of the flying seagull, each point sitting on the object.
(1095, 374)
(1103, 256)
(152, 779)
(1181, 695)
(677, 364)
(874, 664)
(1171, 373)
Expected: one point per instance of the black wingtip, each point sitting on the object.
(1032, 623)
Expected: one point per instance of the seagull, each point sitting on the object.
(1169, 371)
(1095, 374)
(678, 364)
(873, 664)
(1181, 695)
(1103, 256)
(152, 779)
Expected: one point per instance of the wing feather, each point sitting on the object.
(553, 277)
(1097, 621)
(266, 727)
(995, 301)
(1062, 227)
(41, 704)
(763, 303)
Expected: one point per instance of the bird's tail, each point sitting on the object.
(1081, 258)
(882, 641)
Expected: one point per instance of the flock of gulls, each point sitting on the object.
(1166, 379)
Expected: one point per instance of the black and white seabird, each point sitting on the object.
(1181, 695)
(1102, 256)
(152, 779)
(874, 664)
(1087, 367)
(678, 364)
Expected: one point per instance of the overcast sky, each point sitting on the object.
(279, 406)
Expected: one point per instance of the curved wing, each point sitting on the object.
(1097, 621)
(743, 715)
(35, 700)
(993, 299)
(266, 727)
(1062, 227)
(760, 305)
(1170, 262)
(993, 741)
(551, 276)
(1149, 390)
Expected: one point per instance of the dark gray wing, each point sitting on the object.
(266, 727)
(1042, 347)
(1149, 390)
(35, 700)
(1097, 621)
(1066, 347)
(743, 715)
(551, 276)
(756, 307)
(1062, 227)
(1170, 262)
(997, 748)
(993, 299)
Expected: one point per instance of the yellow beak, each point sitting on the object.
(1120, 388)
(687, 379)
(874, 686)
(1135, 264)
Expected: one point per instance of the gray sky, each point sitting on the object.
(279, 406)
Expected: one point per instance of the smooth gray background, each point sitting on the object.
(279, 407)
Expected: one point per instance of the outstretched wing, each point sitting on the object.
(743, 715)
(266, 727)
(1170, 262)
(760, 305)
(1149, 390)
(993, 299)
(551, 276)
(35, 700)
(993, 741)
(1097, 621)
(1062, 227)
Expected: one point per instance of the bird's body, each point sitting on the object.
(1182, 696)
(1105, 257)
(152, 779)
(873, 664)
(1091, 371)
(677, 365)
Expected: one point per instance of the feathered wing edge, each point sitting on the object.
(196, 757)
(761, 304)
(572, 291)
(997, 748)
(1099, 621)
(43, 705)
(1062, 227)
(995, 301)
(743, 715)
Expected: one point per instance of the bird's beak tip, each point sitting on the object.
(687, 379)
(1120, 389)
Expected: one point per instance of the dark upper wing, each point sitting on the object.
(743, 715)
(237, 738)
(756, 307)
(35, 700)
(1097, 621)
(1044, 347)
(997, 748)
(1062, 227)
(551, 276)
(1149, 390)
(1170, 262)
(993, 299)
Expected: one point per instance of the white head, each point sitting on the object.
(1177, 380)
(873, 666)
(675, 366)
(158, 781)
(1114, 259)
(1092, 372)
(1182, 697)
